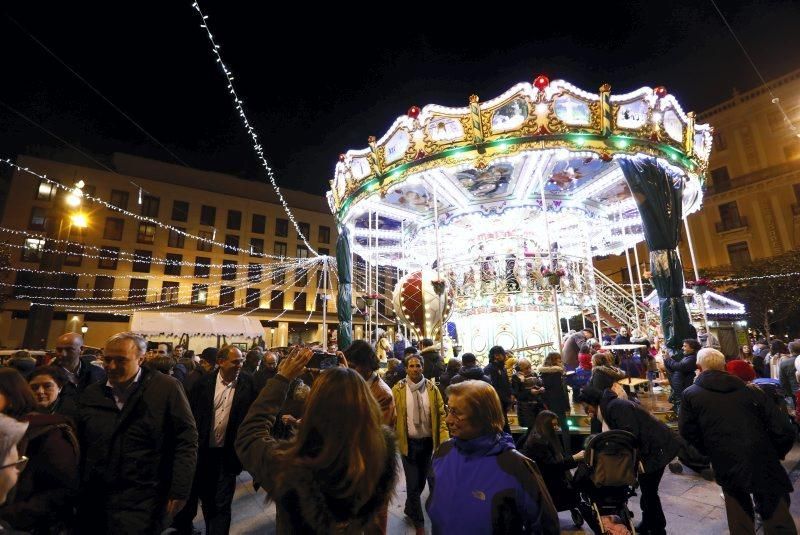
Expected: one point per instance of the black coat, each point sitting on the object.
(682, 372)
(133, 460)
(201, 401)
(554, 467)
(555, 395)
(499, 379)
(433, 365)
(658, 445)
(742, 431)
(470, 373)
(87, 375)
(605, 376)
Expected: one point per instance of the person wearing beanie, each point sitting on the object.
(11, 463)
(741, 369)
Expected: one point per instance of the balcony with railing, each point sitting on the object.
(732, 224)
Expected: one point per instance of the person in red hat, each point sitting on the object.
(741, 369)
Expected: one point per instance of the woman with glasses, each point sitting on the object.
(46, 492)
(47, 384)
(480, 483)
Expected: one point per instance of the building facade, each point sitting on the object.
(117, 262)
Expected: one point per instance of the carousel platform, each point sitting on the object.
(656, 403)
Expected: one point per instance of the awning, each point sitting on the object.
(192, 324)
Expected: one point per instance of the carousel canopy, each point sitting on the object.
(716, 305)
(536, 165)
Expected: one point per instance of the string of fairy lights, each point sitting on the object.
(238, 104)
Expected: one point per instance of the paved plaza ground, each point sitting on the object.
(692, 505)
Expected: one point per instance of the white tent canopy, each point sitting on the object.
(165, 322)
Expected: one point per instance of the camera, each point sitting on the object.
(322, 360)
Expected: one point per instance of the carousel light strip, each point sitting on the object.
(755, 277)
(238, 102)
(130, 214)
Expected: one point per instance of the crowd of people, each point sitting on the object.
(135, 440)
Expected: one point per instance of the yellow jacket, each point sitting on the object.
(438, 425)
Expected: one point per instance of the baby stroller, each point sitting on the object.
(606, 481)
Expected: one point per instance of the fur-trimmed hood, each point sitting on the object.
(303, 507)
(550, 369)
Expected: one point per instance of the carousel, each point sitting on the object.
(485, 218)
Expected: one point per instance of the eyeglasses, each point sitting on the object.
(457, 415)
(19, 464)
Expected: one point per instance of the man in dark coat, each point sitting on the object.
(434, 364)
(746, 436)
(657, 447)
(138, 445)
(219, 402)
(682, 371)
(269, 367)
(470, 371)
(80, 370)
(573, 346)
(496, 371)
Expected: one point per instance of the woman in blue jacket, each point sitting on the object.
(480, 483)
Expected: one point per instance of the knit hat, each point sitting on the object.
(11, 432)
(585, 361)
(741, 369)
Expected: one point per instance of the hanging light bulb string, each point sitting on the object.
(138, 217)
(238, 104)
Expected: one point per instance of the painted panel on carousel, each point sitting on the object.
(413, 197)
(510, 116)
(396, 147)
(445, 129)
(570, 174)
(632, 115)
(572, 110)
(673, 125)
(487, 183)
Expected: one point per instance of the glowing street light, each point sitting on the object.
(79, 220)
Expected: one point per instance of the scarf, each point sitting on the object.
(417, 390)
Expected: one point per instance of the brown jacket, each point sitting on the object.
(383, 395)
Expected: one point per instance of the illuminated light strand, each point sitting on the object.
(298, 275)
(755, 277)
(141, 217)
(237, 102)
(126, 308)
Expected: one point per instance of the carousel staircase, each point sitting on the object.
(617, 306)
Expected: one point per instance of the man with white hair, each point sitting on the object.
(746, 436)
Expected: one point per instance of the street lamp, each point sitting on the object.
(79, 220)
(84, 328)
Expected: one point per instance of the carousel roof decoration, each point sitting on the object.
(716, 305)
(545, 147)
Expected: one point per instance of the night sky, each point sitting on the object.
(317, 81)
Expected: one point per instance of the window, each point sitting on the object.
(173, 264)
(729, 217)
(202, 266)
(142, 260)
(103, 287)
(280, 249)
(319, 302)
(176, 239)
(208, 215)
(234, 220)
(739, 254)
(282, 227)
(180, 211)
(146, 233)
(113, 228)
(74, 256)
(254, 272)
(33, 250)
(256, 247)
(46, 191)
(253, 298)
(204, 241)
(169, 292)
(137, 291)
(150, 206)
(38, 218)
(231, 244)
(720, 179)
(324, 234)
(119, 199)
(299, 301)
(302, 252)
(108, 258)
(259, 224)
(796, 192)
(24, 283)
(720, 143)
(199, 294)
(301, 277)
(229, 270)
(324, 251)
(276, 300)
(792, 152)
(68, 285)
(278, 276)
(226, 295)
(305, 229)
